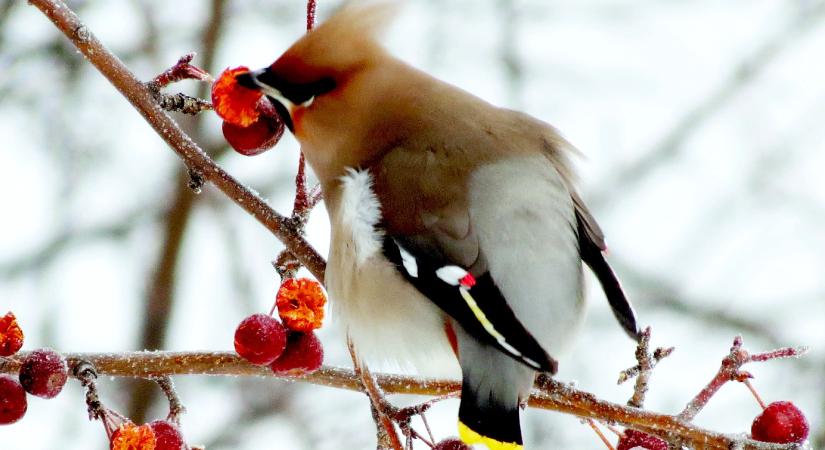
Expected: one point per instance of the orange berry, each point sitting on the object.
(301, 304)
(233, 102)
(132, 437)
(11, 336)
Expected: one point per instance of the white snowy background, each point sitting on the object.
(702, 125)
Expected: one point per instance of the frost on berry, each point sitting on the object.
(167, 435)
(451, 444)
(260, 339)
(781, 423)
(233, 102)
(635, 439)
(43, 373)
(304, 354)
(301, 304)
(255, 138)
(132, 437)
(11, 335)
(13, 403)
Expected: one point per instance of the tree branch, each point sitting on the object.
(552, 395)
(140, 96)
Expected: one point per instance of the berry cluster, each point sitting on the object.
(251, 124)
(156, 435)
(43, 373)
(291, 347)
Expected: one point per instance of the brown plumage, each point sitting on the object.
(424, 183)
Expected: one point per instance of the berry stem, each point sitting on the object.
(427, 427)
(86, 373)
(599, 433)
(755, 394)
(176, 408)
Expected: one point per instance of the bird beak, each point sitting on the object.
(284, 106)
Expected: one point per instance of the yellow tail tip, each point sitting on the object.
(471, 437)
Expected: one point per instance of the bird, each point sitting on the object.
(455, 224)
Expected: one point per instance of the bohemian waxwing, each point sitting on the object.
(455, 223)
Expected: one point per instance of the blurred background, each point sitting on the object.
(701, 126)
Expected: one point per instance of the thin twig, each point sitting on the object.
(730, 371)
(310, 14)
(182, 70)
(646, 361)
(381, 409)
(182, 103)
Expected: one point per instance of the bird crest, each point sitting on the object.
(344, 42)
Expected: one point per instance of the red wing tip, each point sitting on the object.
(467, 281)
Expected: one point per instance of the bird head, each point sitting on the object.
(330, 85)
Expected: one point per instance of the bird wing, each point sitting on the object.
(475, 303)
(592, 247)
(591, 240)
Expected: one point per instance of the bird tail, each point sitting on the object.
(481, 422)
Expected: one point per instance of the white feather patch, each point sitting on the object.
(360, 213)
(451, 275)
(408, 260)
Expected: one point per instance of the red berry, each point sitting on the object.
(43, 373)
(634, 439)
(451, 444)
(11, 336)
(304, 354)
(256, 138)
(13, 403)
(167, 435)
(780, 422)
(260, 339)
